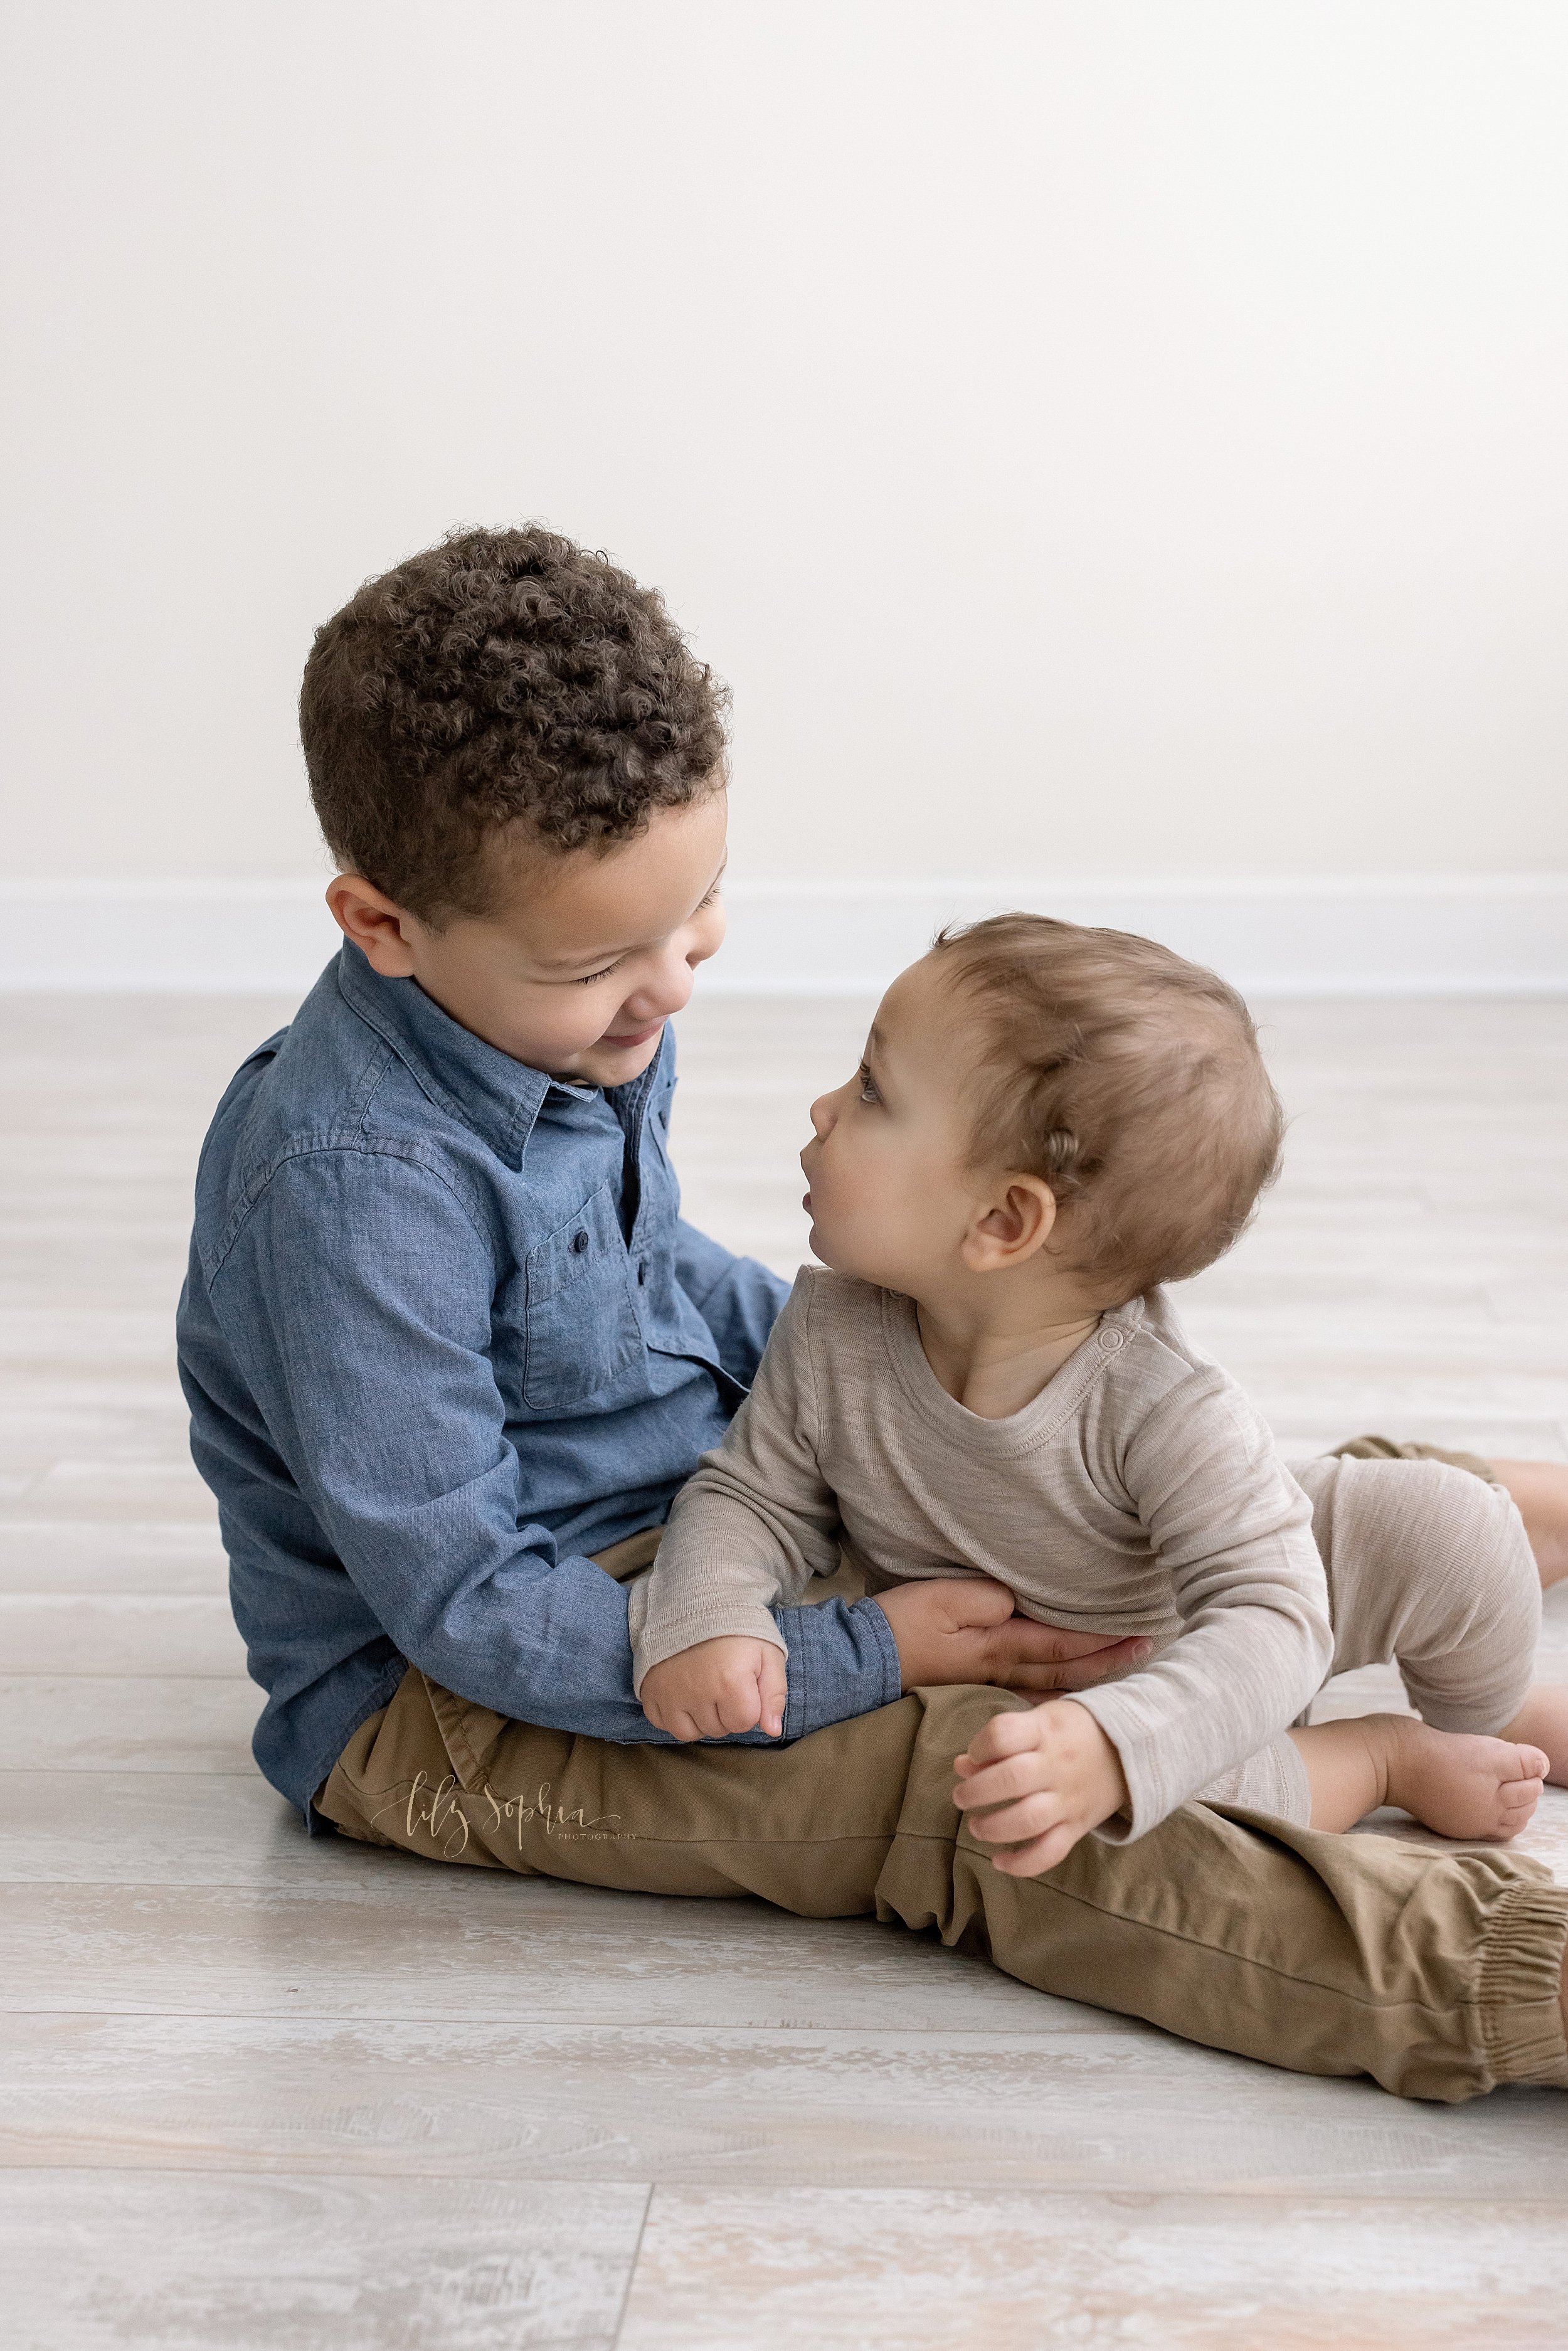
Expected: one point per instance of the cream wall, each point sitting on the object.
(1094, 439)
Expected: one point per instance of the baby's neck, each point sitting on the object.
(993, 1367)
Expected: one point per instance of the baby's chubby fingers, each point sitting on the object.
(717, 1688)
(1037, 1780)
(1018, 1731)
(1000, 1783)
(1031, 1816)
(1042, 1852)
(772, 1690)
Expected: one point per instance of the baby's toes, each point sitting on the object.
(1517, 1799)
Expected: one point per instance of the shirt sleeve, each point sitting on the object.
(738, 1298)
(356, 1297)
(755, 1524)
(1234, 1530)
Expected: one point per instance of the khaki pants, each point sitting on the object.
(1435, 1972)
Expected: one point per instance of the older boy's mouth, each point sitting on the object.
(632, 1035)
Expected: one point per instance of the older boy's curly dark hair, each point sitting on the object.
(506, 678)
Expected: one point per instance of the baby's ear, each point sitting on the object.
(1013, 1228)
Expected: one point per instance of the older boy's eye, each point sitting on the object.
(868, 1092)
(588, 979)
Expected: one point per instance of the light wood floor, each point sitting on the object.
(260, 2092)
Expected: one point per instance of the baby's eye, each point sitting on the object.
(868, 1092)
(590, 979)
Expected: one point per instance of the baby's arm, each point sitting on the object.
(746, 1534)
(1233, 1530)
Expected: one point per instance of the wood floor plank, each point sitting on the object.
(402, 1942)
(119, 1633)
(160, 1829)
(111, 1491)
(48, 1555)
(149, 1723)
(499, 2096)
(143, 2262)
(723, 2268)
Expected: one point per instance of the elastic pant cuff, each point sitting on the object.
(1521, 1989)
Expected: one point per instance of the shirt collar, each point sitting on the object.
(498, 1098)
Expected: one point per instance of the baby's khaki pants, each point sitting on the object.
(1435, 1972)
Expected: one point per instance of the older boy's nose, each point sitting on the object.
(667, 989)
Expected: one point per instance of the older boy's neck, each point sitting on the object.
(994, 1354)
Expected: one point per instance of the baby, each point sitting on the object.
(1050, 1124)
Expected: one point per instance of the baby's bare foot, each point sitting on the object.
(1460, 1784)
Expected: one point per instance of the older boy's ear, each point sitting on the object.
(1013, 1228)
(365, 914)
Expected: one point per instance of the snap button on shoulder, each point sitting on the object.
(1112, 1340)
(578, 1243)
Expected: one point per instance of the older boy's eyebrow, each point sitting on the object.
(589, 959)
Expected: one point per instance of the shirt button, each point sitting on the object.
(578, 1243)
(1112, 1340)
(642, 1272)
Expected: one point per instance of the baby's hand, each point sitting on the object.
(1053, 1774)
(730, 1684)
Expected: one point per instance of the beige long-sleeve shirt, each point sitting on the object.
(1138, 1493)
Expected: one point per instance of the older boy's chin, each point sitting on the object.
(607, 1064)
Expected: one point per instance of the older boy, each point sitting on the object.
(450, 1351)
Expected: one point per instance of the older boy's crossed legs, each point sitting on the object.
(1438, 1974)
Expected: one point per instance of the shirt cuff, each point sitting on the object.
(1151, 1794)
(844, 1661)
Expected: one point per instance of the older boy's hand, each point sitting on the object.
(1037, 1783)
(965, 1631)
(717, 1687)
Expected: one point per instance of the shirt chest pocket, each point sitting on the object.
(579, 1326)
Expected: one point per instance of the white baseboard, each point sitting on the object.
(1396, 936)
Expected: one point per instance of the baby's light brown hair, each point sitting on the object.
(1129, 1081)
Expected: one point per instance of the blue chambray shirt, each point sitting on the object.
(443, 1334)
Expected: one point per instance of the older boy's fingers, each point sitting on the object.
(1055, 1644)
(1029, 1656)
(1079, 1673)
